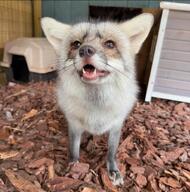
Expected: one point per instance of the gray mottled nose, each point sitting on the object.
(86, 51)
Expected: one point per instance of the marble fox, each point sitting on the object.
(96, 86)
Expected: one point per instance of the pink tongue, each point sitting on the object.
(90, 75)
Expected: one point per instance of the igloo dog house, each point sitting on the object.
(29, 59)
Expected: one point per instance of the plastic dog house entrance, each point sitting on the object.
(19, 68)
(29, 59)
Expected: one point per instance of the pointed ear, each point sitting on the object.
(54, 31)
(137, 29)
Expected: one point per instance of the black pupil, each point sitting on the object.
(110, 44)
(76, 44)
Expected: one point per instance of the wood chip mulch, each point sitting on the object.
(154, 151)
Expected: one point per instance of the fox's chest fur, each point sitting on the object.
(96, 108)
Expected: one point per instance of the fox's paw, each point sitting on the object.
(73, 163)
(116, 178)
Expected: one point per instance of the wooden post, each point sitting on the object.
(37, 10)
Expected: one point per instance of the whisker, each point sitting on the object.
(66, 68)
(105, 62)
(57, 61)
(75, 65)
(117, 70)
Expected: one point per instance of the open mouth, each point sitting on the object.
(89, 72)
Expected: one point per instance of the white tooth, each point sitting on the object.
(83, 70)
(94, 72)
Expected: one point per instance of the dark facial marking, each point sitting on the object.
(85, 36)
(98, 35)
(71, 54)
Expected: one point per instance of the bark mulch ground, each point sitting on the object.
(154, 151)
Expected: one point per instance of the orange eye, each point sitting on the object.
(75, 44)
(109, 44)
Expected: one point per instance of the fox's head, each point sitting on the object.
(98, 52)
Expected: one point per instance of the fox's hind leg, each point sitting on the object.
(113, 170)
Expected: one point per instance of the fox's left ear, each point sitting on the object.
(137, 29)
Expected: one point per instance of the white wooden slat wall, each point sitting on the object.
(177, 51)
(170, 78)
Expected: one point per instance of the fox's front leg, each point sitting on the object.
(113, 170)
(74, 143)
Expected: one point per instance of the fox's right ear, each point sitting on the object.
(137, 29)
(54, 31)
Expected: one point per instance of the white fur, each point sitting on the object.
(96, 108)
(103, 104)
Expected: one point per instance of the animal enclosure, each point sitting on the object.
(153, 153)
